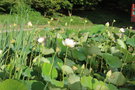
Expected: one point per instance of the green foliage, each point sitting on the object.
(50, 6)
(116, 78)
(131, 41)
(112, 61)
(99, 60)
(87, 82)
(49, 72)
(10, 84)
(67, 70)
(46, 7)
(34, 85)
(84, 3)
(20, 7)
(14, 6)
(34, 17)
(6, 6)
(94, 84)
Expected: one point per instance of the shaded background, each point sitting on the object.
(97, 11)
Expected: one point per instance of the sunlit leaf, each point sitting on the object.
(47, 51)
(10, 84)
(48, 71)
(57, 83)
(73, 78)
(121, 43)
(131, 41)
(96, 29)
(101, 86)
(67, 70)
(87, 81)
(116, 78)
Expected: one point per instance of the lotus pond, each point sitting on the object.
(97, 58)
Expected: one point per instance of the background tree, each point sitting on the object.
(48, 7)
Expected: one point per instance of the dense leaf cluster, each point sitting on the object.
(52, 6)
(43, 6)
(103, 58)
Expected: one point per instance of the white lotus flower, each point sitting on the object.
(41, 39)
(107, 24)
(122, 30)
(29, 24)
(1, 51)
(69, 42)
